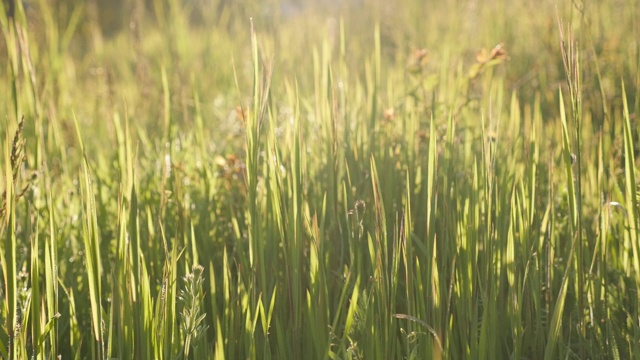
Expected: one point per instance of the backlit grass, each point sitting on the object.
(292, 180)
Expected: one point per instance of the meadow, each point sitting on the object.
(282, 179)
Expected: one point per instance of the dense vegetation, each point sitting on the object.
(186, 179)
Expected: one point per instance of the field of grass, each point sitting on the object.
(365, 179)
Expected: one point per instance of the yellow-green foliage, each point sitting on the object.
(284, 179)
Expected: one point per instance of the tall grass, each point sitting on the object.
(356, 180)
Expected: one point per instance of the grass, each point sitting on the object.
(286, 180)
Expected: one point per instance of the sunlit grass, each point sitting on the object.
(357, 180)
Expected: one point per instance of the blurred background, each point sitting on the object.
(107, 51)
